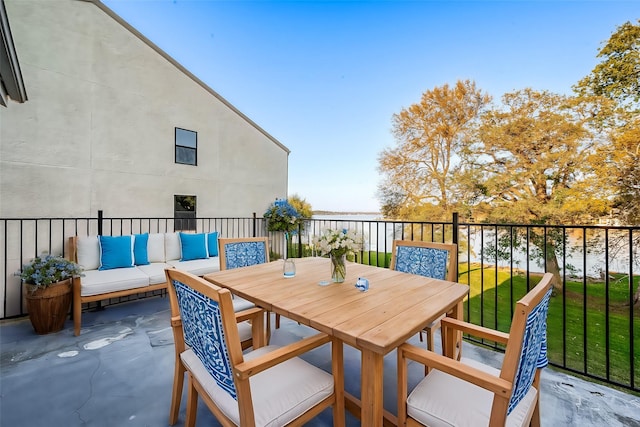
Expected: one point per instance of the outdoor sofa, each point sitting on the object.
(117, 266)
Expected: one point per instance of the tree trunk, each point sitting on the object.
(553, 267)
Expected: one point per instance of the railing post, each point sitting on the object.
(100, 222)
(454, 221)
(454, 233)
(255, 224)
(300, 240)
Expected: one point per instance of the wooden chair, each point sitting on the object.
(246, 331)
(469, 393)
(266, 386)
(243, 308)
(429, 259)
(243, 252)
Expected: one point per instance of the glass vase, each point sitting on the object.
(289, 268)
(338, 268)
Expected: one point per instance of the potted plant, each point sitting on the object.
(281, 216)
(48, 283)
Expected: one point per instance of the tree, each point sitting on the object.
(617, 78)
(420, 171)
(301, 205)
(532, 155)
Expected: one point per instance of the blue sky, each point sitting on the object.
(325, 77)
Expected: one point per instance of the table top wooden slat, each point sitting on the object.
(396, 306)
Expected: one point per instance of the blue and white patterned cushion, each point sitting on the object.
(243, 254)
(534, 351)
(428, 262)
(204, 333)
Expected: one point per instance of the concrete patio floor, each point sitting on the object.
(119, 372)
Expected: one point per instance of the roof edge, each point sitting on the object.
(180, 67)
(9, 65)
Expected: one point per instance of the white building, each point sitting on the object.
(96, 117)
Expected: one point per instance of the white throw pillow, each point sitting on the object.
(88, 252)
(172, 246)
(155, 247)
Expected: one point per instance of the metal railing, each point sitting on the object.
(593, 326)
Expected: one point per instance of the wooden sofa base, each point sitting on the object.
(78, 299)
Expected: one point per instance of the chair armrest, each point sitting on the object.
(176, 322)
(458, 369)
(475, 330)
(248, 314)
(254, 366)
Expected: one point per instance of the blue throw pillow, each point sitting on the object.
(194, 246)
(116, 252)
(140, 256)
(212, 242)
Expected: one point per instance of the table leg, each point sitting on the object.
(453, 342)
(372, 389)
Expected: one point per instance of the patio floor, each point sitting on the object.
(119, 372)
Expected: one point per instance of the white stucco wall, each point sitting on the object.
(97, 132)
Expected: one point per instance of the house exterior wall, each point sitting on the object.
(97, 132)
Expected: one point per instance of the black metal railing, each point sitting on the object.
(594, 317)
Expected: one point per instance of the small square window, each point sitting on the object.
(186, 147)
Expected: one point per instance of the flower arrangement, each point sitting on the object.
(338, 242)
(281, 216)
(45, 270)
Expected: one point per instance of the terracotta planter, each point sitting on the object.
(49, 307)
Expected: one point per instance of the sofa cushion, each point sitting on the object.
(140, 254)
(95, 282)
(212, 243)
(199, 267)
(155, 271)
(172, 246)
(193, 246)
(115, 252)
(155, 247)
(88, 252)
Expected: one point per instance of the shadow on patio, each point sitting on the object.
(119, 372)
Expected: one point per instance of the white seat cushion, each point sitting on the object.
(442, 400)
(198, 267)
(279, 394)
(155, 271)
(95, 282)
(244, 331)
(240, 304)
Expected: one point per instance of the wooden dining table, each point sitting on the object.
(395, 307)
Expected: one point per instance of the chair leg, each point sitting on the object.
(268, 328)
(192, 403)
(176, 395)
(431, 336)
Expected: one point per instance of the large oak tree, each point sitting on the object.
(420, 171)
